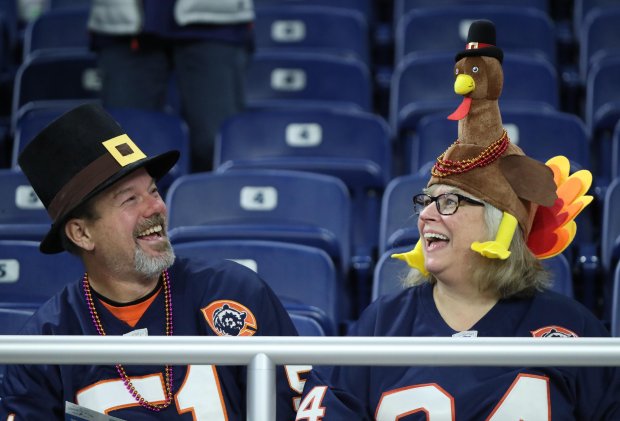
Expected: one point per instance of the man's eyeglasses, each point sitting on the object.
(447, 203)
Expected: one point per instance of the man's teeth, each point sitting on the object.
(432, 235)
(151, 230)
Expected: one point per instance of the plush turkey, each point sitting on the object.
(485, 163)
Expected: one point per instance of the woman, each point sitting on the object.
(487, 217)
(467, 294)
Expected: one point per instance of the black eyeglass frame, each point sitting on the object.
(436, 199)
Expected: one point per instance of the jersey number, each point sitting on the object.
(200, 394)
(526, 399)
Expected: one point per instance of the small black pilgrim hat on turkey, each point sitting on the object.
(481, 41)
(77, 156)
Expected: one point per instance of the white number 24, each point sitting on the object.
(527, 399)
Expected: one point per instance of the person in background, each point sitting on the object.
(486, 218)
(204, 45)
(99, 190)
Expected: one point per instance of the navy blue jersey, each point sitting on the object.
(467, 393)
(220, 299)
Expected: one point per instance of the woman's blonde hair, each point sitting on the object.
(520, 274)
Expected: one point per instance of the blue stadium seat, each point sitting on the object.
(582, 8)
(353, 146)
(615, 307)
(390, 274)
(287, 79)
(28, 277)
(365, 7)
(398, 225)
(602, 109)
(610, 241)
(599, 37)
(306, 325)
(70, 76)
(401, 7)
(313, 29)
(22, 215)
(541, 134)
(11, 322)
(615, 154)
(154, 131)
(303, 277)
(444, 29)
(12, 319)
(57, 30)
(424, 84)
(296, 207)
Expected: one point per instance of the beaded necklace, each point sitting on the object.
(168, 373)
(444, 167)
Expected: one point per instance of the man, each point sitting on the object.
(205, 45)
(99, 189)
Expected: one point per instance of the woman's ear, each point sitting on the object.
(77, 231)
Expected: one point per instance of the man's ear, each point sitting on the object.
(78, 232)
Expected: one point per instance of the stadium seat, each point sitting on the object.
(287, 79)
(11, 322)
(296, 207)
(303, 277)
(70, 76)
(365, 7)
(154, 131)
(402, 7)
(306, 325)
(542, 134)
(390, 274)
(615, 154)
(610, 241)
(602, 109)
(582, 8)
(313, 29)
(398, 225)
(22, 215)
(599, 37)
(57, 30)
(424, 84)
(29, 278)
(353, 146)
(615, 308)
(444, 29)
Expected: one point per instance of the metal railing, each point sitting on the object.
(262, 354)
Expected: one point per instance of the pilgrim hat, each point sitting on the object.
(77, 156)
(481, 41)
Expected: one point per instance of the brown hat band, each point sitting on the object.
(121, 152)
(84, 182)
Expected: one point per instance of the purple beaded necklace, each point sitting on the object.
(168, 373)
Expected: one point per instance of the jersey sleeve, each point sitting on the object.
(31, 392)
(323, 402)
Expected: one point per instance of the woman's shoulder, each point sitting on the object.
(557, 313)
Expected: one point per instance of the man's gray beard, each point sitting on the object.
(153, 266)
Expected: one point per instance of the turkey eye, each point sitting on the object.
(475, 69)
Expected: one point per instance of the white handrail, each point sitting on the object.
(262, 354)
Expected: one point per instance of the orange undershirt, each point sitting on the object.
(132, 313)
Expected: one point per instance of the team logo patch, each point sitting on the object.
(553, 332)
(229, 318)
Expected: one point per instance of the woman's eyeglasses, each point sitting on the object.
(447, 203)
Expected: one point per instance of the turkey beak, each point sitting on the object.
(464, 84)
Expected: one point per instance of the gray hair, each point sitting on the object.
(520, 274)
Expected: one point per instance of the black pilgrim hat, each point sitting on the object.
(77, 156)
(481, 41)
